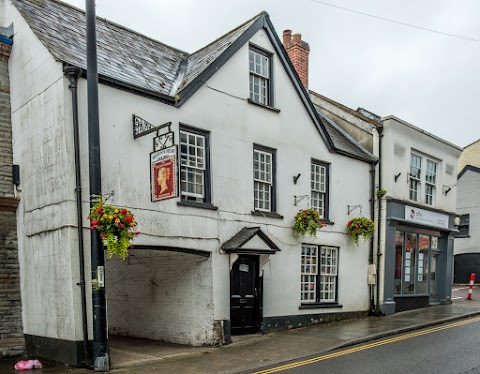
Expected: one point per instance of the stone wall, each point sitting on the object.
(11, 335)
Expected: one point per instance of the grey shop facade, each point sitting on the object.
(418, 256)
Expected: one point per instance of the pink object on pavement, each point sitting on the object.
(28, 365)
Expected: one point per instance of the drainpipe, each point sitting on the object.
(372, 245)
(73, 74)
(101, 361)
(379, 223)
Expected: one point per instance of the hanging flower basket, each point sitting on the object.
(360, 227)
(307, 221)
(116, 227)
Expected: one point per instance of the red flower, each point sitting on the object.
(121, 226)
(124, 212)
(129, 219)
(99, 210)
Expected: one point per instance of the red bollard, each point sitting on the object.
(470, 289)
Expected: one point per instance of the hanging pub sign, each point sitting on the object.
(163, 173)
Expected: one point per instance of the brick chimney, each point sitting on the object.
(298, 51)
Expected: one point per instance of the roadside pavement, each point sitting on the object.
(135, 356)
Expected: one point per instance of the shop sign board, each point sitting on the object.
(426, 217)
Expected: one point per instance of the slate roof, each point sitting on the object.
(344, 143)
(134, 61)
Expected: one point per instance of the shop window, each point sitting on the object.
(398, 261)
(413, 263)
(409, 264)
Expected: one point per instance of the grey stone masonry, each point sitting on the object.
(6, 186)
(11, 330)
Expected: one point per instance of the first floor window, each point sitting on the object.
(415, 176)
(319, 273)
(263, 177)
(193, 165)
(319, 188)
(464, 226)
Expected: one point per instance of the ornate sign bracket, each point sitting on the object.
(142, 127)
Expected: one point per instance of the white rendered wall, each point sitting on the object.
(400, 139)
(235, 126)
(469, 203)
(42, 122)
(46, 213)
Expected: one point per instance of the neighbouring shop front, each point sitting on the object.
(418, 257)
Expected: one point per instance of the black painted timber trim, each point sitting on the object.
(67, 351)
(289, 322)
(173, 249)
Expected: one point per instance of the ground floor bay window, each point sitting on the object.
(319, 273)
(416, 263)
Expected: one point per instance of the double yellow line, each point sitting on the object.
(367, 346)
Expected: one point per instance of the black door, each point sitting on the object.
(244, 291)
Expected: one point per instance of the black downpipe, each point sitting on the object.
(73, 74)
(372, 244)
(379, 223)
(100, 335)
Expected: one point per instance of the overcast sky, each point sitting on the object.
(426, 78)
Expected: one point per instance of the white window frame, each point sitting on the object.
(423, 179)
(318, 185)
(260, 76)
(319, 274)
(431, 182)
(194, 163)
(415, 178)
(263, 179)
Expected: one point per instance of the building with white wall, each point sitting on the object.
(467, 241)
(216, 255)
(414, 203)
(418, 171)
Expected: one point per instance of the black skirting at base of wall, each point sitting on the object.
(465, 265)
(66, 351)
(411, 302)
(271, 324)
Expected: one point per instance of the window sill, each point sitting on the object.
(320, 305)
(264, 106)
(260, 213)
(462, 236)
(329, 223)
(193, 204)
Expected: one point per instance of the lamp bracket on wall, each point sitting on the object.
(295, 178)
(351, 208)
(297, 199)
(396, 176)
(446, 189)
